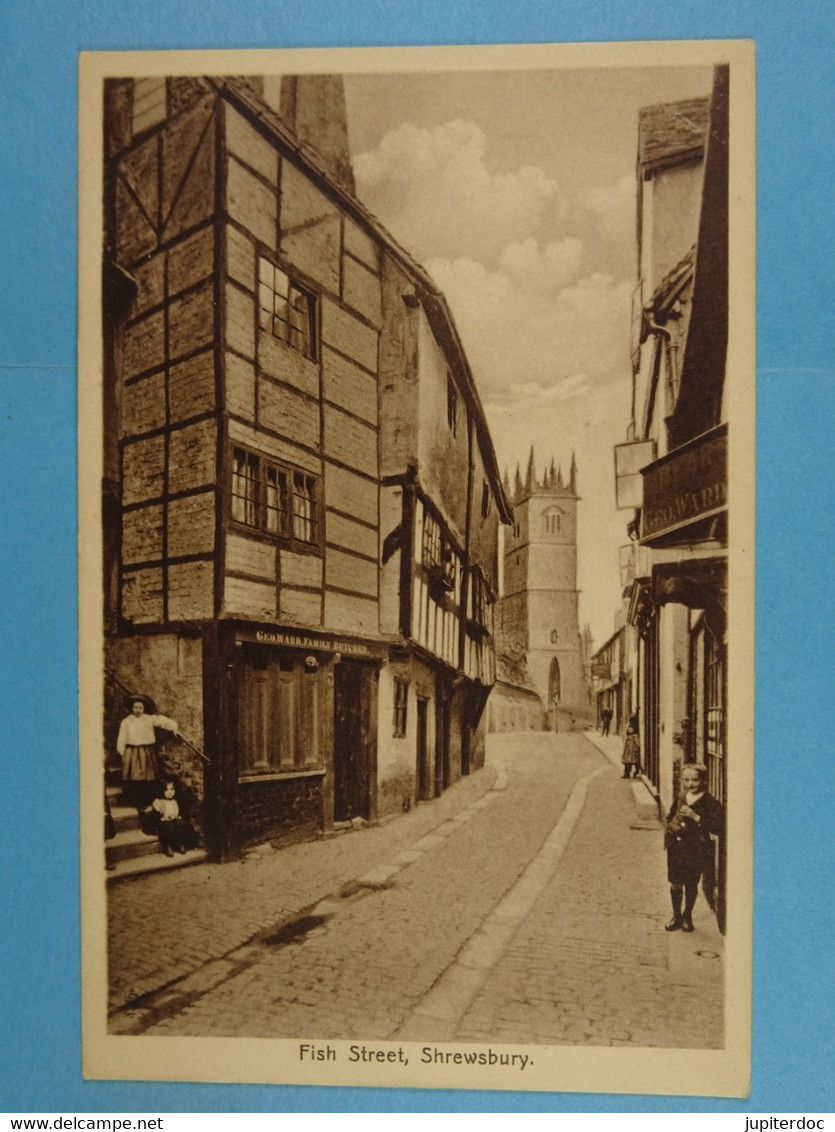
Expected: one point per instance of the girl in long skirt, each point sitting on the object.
(136, 744)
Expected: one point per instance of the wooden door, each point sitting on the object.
(352, 742)
(442, 720)
(424, 785)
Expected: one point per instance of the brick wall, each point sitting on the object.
(279, 809)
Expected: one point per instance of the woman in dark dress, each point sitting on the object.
(631, 756)
(694, 816)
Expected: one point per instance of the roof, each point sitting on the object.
(608, 644)
(514, 691)
(674, 282)
(671, 131)
(430, 295)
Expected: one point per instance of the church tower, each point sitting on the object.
(539, 609)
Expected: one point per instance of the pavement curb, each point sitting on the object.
(438, 1015)
(644, 797)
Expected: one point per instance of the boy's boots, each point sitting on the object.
(690, 894)
(675, 900)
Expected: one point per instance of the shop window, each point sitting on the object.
(714, 708)
(286, 309)
(401, 704)
(279, 500)
(278, 715)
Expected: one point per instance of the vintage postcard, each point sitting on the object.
(416, 452)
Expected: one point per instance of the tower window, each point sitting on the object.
(552, 523)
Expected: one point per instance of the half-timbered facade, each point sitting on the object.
(301, 499)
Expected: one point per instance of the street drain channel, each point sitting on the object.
(355, 887)
(294, 931)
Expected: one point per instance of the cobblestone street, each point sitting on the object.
(524, 906)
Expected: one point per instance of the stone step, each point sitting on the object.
(152, 863)
(130, 843)
(124, 817)
(132, 852)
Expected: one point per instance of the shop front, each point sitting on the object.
(292, 727)
(681, 614)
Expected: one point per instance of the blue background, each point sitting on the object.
(39, 44)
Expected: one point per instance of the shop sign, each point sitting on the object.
(630, 459)
(686, 485)
(300, 641)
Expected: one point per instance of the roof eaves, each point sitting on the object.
(608, 644)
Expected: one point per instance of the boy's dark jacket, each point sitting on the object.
(687, 835)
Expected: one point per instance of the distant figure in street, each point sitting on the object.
(605, 721)
(631, 757)
(136, 744)
(694, 816)
(174, 830)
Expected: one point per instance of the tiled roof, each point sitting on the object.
(672, 130)
(671, 286)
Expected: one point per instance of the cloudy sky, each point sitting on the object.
(517, 192)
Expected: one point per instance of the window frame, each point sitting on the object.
(400, 707)
(274, 719)
(486, 500)
(290, 316)
(438, 555)
(479, 603)
(280, 501)
(452, 400)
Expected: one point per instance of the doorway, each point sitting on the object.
(442, 738)
(424, 781)
(354, 741)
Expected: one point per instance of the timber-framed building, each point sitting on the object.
(301, 497)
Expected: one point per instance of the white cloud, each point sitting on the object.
(614, 209)
(523, 329)
(433, 189)
(544, 269)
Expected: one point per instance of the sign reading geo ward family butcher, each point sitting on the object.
(688, 484)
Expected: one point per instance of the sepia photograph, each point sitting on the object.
(416, 418)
